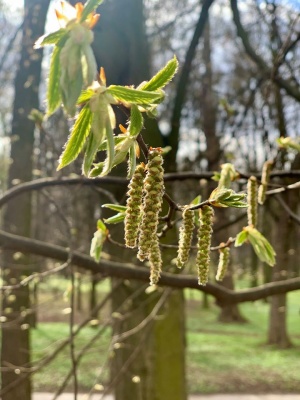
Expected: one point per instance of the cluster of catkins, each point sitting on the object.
(257, 195)
(206, 214)
(144, 203)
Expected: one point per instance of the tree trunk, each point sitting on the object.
(229, 313)
(278, 334)
(17, 216)
(142, 362)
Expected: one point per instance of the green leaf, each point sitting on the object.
(240, 238)
(116, 219)
(222, 197)
(97, 242)
(163, 77)
(97, 170)
(110, 150)
(134, 96)
(52, 38)
(261, 246)
(115, 207)
(136, 121)
(53, 89)
(117, 139)
(98, 135)
(85, 96)
(101, 226)
(89, 7)
(80, 132)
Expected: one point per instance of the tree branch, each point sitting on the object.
(184, 78)
(129, 271)
(285, 84)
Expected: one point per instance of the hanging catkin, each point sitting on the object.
(252, 201)
(206, 214)
(223, 263)
(267, 167)
(133, 209)
(185, 236)
(152, 203)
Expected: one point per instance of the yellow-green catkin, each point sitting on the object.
(252, 201)
(155, 262)
(223, 263)
(133, 206)
(206, 214)
(152, 203)
(267, 167)
(185, 236)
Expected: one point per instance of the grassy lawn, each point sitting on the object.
(234, 357)
(220, 357)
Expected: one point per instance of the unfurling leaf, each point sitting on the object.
(162, 78)
(116, 219)
(89, 7)
(261, 246)
(136, 121)
(221, 197)
(115, 207)
(50, 39)
(241, 238)
(133, 96)
(53, 89)
(77, 137)
(97, 242)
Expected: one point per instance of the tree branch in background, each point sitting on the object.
(285, 84)
(184, 78)
(129, 271)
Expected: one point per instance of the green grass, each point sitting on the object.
(48, 336)
(227, 358)
(232, 358)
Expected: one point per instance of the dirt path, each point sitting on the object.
(67, 396)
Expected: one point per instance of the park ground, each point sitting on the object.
(221, 358)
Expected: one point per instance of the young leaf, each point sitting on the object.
(89, 7)
(135, 96)
(261, 246)
(53, 89)
(77, 137)
(241, 238)
(98, 135)
(136, 121)
(101, 226)
(85, 96)
(163, 77)
(115, 207)
(97, 242)
(116, 219)
(52, 38)
(97, 170)
(110, 150)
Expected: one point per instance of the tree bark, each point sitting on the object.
(277, 333)
(17, 216)
(145, 367)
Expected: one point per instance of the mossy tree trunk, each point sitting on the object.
(17, 215)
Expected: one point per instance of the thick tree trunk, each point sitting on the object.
(17, 217)
(277, 333)
(150, 364)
